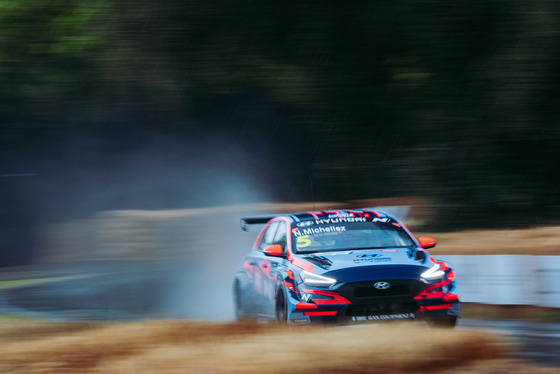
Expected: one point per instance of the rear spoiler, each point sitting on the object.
(400, 212)
(245, 221)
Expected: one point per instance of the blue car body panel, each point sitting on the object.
(342, 266)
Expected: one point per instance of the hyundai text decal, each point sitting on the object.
(371, 258)
(339, 220)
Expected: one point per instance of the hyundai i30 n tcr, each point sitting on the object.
(342, 266)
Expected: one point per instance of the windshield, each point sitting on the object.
(350, 236)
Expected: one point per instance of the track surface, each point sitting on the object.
(538, 341)
(113, 291)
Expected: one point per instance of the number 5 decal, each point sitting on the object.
(303, 241)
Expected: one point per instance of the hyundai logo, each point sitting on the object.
(305, 223)
(382, 285)
(368, 256)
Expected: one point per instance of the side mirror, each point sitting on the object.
(274, 250)
(427, 242)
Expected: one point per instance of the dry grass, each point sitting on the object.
(500, 366)
(510, 312)
(532, 241)
(189, 347)
(165, 234)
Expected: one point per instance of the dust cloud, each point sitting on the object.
(151, 224)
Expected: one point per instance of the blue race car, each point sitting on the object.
(342, 266)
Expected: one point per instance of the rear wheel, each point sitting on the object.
(242, 301)
(238, 303)
(281, 307)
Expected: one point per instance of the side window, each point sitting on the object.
(280, 237)
(268, 237)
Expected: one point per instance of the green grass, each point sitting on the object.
(4, 285)
(7, 317)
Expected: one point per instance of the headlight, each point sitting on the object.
(315, 280)
(434, 272)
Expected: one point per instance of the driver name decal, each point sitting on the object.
(319, 230)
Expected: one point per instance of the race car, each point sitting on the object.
(342, 266)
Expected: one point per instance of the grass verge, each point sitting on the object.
(510, 312)
(189, 347)
(4, 285)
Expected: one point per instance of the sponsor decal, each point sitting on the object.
(341, 214)
(382, 285)
(336, 215)
(453, 311)
(374, 259)
(305, 223)
(319, 230)
(383, 220)
(300, 320)
(384, 317)
(368, 255)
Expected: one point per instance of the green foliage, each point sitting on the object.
(455, 101)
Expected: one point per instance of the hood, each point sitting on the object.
(332, 261)
(367, 265)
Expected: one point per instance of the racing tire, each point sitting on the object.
(281, 307)
(242, 301)
(444, 322)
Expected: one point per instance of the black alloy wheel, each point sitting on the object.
(444, 322)
(240, 313)
(281, 307)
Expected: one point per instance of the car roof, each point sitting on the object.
(316, 216)
(344, 213)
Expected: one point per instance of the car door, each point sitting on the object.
(265, 267)
(271, 266)
(259, 263)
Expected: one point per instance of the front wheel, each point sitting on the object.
(445, 322)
